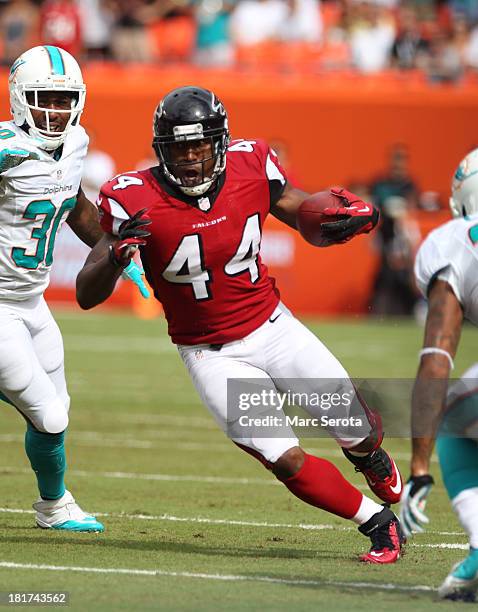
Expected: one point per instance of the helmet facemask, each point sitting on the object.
(50, 138)
(175, 170)
(191, 131)
(41, 70)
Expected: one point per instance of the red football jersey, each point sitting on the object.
(202, 258)
(60, 25)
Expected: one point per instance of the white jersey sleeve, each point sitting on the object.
(450, 253)
(435, 259)
(35, 199)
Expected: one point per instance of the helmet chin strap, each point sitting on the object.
(49, 144)
(198, 190)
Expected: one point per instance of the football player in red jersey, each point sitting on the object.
(198, 225)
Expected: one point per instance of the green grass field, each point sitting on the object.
(192, 522)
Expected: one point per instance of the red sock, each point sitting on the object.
(319, 483)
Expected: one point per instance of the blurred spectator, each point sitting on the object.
(464, 40)
(394, 292)
(425, 9)
(96, 24)
(99, 167)
(396, 182)
(372, 32)
(18, 28)
(258, 21)
(214, 47)
(444, 64)
(410, 48)
(172, 29)
(467, 8)
(395, 194)
(303, 22)
(471, 54)
(60, 25)
(389, 4)
(335, 50)
(460, 35)
(130, 41)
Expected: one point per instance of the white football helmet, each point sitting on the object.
(45, 68)
(464, 187)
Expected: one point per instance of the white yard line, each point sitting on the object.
(159, 477)
(119, 440)
(221, 577)
(211, 521)
(197, 519)
(442, 545)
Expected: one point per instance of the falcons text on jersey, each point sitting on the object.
(202, 258)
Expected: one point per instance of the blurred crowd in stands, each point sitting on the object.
(435, 38)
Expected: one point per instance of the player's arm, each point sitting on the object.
(84, 220)
(286, 207)
(108, 260)
(442, 335)
(97, 279)
(354, 216)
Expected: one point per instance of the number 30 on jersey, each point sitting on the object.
(187, 264)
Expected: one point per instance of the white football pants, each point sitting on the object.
(281, 348)
(32, 373)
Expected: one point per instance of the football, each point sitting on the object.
(310, 216)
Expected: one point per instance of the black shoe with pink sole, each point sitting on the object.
(381, 472)
(384, 531)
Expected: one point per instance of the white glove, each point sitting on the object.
(413, 503)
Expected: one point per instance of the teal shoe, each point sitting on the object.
(461, 583)
(64, 514)
(89, 523)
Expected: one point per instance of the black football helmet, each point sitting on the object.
(185, 114)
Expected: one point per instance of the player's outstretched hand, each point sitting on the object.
(11, 158)
(135, 274)
(132, 234)
(413, 503)
(354, 217)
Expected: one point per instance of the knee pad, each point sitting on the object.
(54, 420)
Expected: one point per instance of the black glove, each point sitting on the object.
(131, 235)
(354, 217)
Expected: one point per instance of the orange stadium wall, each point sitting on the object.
(338, 129)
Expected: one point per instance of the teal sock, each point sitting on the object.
(468, 568)
(48, 460)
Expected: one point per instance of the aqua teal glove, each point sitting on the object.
(134, 273)
(10, 158)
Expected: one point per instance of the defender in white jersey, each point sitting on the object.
(446, 271)
(41, 160)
